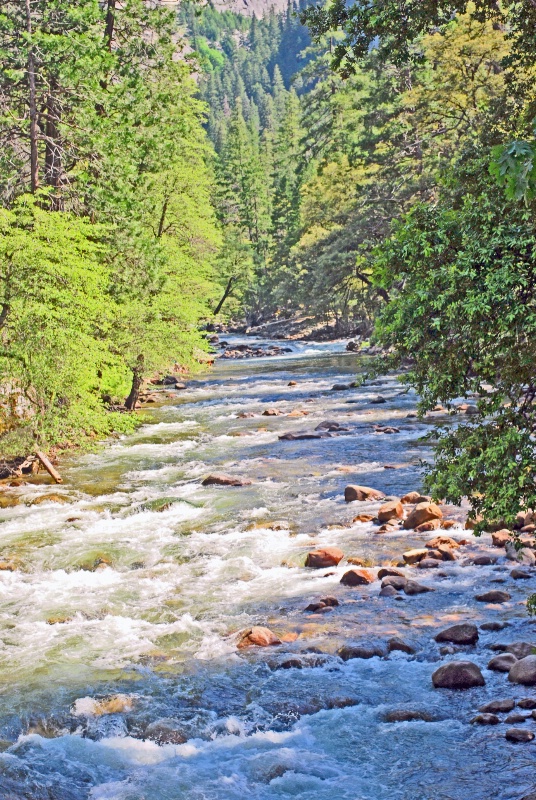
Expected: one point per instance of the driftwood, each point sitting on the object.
(48, 466)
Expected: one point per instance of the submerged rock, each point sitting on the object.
(465, 633)
(388, 591)
(219, 479)
(458, 675)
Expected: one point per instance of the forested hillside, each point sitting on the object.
(107, 233)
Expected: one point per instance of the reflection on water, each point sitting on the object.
(119, 673)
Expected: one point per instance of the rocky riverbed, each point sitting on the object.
(251, 597)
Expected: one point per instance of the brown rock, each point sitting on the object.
(388, 591)
(218, 479)
(8, 502)
(465, 633)
(411, 498)
(520, 649)
(499, 538)
(520, 574)
(519, 735)
(385, 572)
(393, 509)
(446, 553)
(272, 412)
(261, 637)
(165, 731)
(523, 671)
(412, 588)
(396, 581)
(516, 719)
(359, 651)
(484, 560)
(407, 715)
(363, 518)
(493, 626)
(414, 556)
(498, 706)
(324, 557)
(428, 563)
(458, 675)
(447, 524)
(432, 525)
(485, 719)
(357, 561)
(442, 541)
(399, 644)
(494, 596)
(502, 663)
(527, 702)
(49, 498)
(387, 528)
(423, 512)
(362, 493)
(329, 601)
(357, 577)
(292, 383)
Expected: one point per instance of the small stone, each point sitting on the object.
(292, 383)
(498, 706)
(407, 715)
(396, 581)
(493, 626)
(516, 719)
(520, 575)
(330, 601)
(412, 588)
(423, 512)
(361, 493)
(399, 644)
(519, 735)
(313, 607)
(465, 633)
(523, 671)
(225, 480)
(458, 675)
(428, 563)
(527, 702)
(272, 412)
(388, 591)
(414, 556)
(363, 518)
(340, 387)
(357, 577)
(495, 596)
(484, 561)
(324, 557)
(392, 510)
(485, 719)
(502, 663)
(359, 651)
(261, 637)
(378, 400)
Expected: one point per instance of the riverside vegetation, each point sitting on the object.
(382, 172)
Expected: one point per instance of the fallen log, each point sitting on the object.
(48, 466)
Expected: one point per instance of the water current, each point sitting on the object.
(120, 677)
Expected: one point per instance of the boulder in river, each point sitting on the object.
(272, 412)
(494, 596)
(218, 479)
(485, 719)
(484, 560)
(521, 575)
(408, 715)
(386, 572)
(502, 663)
(428, 563)
(458, 675)
(324, 557)
(340, 387)
(396, 581)
(363, 518)
(414, 556)
(431, 525)
(259, 636)
(360, 651)
(411, 498)
(361, 493)
(378, 400)
(527, 702)
(399, 644)
(498, 706)
(500, 538)
(464, 633)
(423, 512)
(393, 509)
(442, 541)
(357, 577)
(388, 591)
(524, 671)
(412, 588)
(519, 735)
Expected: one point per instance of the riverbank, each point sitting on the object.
(125, 602)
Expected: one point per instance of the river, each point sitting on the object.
(120, 677)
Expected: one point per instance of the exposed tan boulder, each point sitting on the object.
(500, 538)
(458, 675)
(471, 523)
(362, 493)
(324, 557)
(439, 541)
(259, 636)
(357, 577)
(363, 518)
(447, 524)
(431, 525)
(357, 561)
(414, 556)
(392, 510)
(272, 412)
(410, 498)
(423, 512)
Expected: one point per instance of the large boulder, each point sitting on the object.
(498, 706)
(360, 651)
(414, 556)
(442, 541)
(465, 633)
(411, 498)
(412, 587)
(324, 557)
(458, 675)
(386, 572)
(423, 512)
(494, 596)
(393, 509)
(218, 479)
(502, 663)
(396, 581)
(500, 538)
(362, 493)
(523, 671)
(261, 637)
(518, 735)
(357, 577)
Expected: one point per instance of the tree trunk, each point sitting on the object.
(34, 129)
(110, 24)
(137, 378)
(53, 166)
(227, 292)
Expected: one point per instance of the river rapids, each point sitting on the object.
(120, 677)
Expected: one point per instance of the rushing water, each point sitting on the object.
(120, 678)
